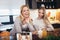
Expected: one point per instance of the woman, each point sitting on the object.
(23, 23)
(42, 21)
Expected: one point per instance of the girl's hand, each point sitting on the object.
(35, 32)
(27, 37)
(20, 37)
(27, 20)
(45, 29)
(23, 22)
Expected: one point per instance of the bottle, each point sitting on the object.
(42, 0)
(53, 6)
(49, 6)
(52, 0)
(46, 6)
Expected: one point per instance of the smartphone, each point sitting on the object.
(24, 36)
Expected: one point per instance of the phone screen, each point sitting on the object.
(24, 36)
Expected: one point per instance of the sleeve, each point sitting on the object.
(13, 31)
(35, 25)
(31, 28)
(16, 28)
(50, 27)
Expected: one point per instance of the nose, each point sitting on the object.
(26, 12)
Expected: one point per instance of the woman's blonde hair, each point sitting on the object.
(44, 16)
(21, 16)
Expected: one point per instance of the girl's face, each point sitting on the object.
(25, 12)
(40, 13)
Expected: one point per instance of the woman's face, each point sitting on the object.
(40, 13)
(25, 12)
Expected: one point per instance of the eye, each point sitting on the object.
(42, 13)
(27, 10)
(39, 12)
(24, 10)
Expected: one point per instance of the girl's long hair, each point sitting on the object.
(46, 21)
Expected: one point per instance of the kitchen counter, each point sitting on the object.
(5, 27)
(53, 22)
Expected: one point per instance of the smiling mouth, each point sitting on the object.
(26, 14)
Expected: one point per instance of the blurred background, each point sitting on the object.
(10, 9)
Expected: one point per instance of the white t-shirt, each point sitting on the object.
(39, 25)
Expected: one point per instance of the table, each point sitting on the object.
(14, 38)
(8, 38)
(51, 35)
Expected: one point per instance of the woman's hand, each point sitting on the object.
(35, 32)
(23, 22)
(20, 37)
(26, 20)
(44, 29)
(27, 37)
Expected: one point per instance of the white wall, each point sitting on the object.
(11, 4)
(9, 7)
